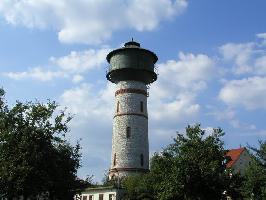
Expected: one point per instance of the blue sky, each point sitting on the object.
(212, 65)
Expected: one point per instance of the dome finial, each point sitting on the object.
(132, 43)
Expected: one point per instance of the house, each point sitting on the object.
(101, 193)
(239, 160)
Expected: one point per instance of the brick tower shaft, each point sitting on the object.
(130, 146)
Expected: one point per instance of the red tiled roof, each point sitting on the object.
(234, 154)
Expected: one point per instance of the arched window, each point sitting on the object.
(141, 106)
(141, 160)
(128, 132)
(114, 159)
(117, 106)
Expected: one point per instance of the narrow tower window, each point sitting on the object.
(117, 106)
(114, 159)
(141, 160)
(141, 106)
(128, 132)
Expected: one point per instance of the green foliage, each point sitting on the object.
(107, 182)
(138, 187)
(192, 167)
(35, 157)
(255, 175)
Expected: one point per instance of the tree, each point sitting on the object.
(192, 167)
(35, 157)
(138, 187)
(255, 175)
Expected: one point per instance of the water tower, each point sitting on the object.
(132, 70)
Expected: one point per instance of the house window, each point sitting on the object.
(90, 197)
(117, 107)
(111, 197)
(141, 160)
(84, 198)
(141, 106)
(114, 159)
(128, 132)
(100, 196)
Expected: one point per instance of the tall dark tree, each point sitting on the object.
(35, 157)
(255, 175)
(193, 167)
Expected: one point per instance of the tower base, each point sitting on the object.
(123, 172)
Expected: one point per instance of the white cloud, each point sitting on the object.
(230, 115)
(237, 124)
(36, 73)
(89, 103)
(77, 78)
(76, 63)
(190, 73)
(260, 65)
(263, 37)
(240, 54)
(93, 109)
(90, 21)
(179, 110)
(224, 114)
(82, 61)
(248, 92)
(174, 94)
(208, 131)
(246, 58)
(147, 14)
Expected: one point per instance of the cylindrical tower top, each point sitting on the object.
(131, 62)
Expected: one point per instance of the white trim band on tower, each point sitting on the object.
(131, 90)
(138, 114)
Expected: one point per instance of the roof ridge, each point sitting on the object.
(236, 153)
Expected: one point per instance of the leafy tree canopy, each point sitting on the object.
(192, 167)
(255, 175)
(35, 157)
